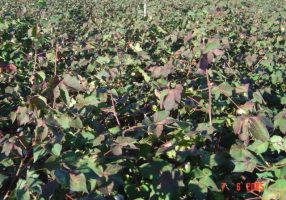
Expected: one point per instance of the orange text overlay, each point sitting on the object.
(249, 187)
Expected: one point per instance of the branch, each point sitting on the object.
(56, 60)
(114, 111)
(203, 107)
(145, 8)
(35, 60)
(13, 180)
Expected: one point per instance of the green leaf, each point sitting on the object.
(41, 132)
(144, 74)
(57, 148)
(76, 123)
(277, 77)
(114, 130)
(77, 183)
(276, 191)
(103, 60)
(91, 67)
(257, 97)
(161, 115)
(2, 179)
(41, 75)
(151, 170)
(280, 121)
(208, 182)
(62, 177)
(244, 166)
(33, 182)
(63, 120)
(87, 135)
(243, 159)
(283, 100)
(258, 147)
(136, 48)
(64, 94)
(210, 46)
(124, 141)
(277, 143)
(21, 190)
(38, 152)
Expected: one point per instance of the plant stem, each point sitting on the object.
(114, 110)
(56, 60)
(210, 97)
(145, 8)
(13, 180)
(237, 106)
(35, 60)
(203, 107)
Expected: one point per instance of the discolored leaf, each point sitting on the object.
(250, 59)
(72, 82)
(253, 125)
(78, 183)
(124, 141)
(173, 98)
(41, 132)
(163, 71)
(38, 102)
(258, 129)
(7, 147)
(243, 159)
(22, 115)
(242, 89)
(117, 150)
(225, 88)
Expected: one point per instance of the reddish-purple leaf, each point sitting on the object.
(188, 37)
(173, 98)
(203, 64)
